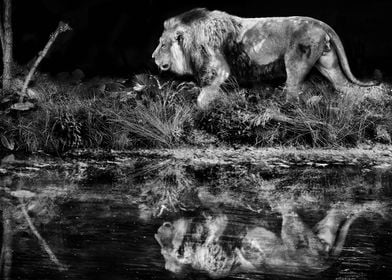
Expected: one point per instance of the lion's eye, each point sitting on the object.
(167, 225)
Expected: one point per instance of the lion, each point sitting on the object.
(212, 46)
(209, 244)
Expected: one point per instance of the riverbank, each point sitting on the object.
(281, 158)
(146, 112)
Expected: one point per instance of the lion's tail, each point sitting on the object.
(343, 58)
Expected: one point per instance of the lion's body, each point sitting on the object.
(216, 245)
(213, 46)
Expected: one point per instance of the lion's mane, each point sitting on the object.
(206, 32)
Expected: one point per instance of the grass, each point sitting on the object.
(163, 115)
(323, 118)
(69, 117)
(164, 119)
(156, 125)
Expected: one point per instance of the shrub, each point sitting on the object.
(58, 127)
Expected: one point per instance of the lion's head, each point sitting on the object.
(170, 237)
(179, 46)
(192, 39)
(171, 53)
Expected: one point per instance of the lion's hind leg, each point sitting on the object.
(328, 65)
(299, 61)
(297, 236)
(328, 227)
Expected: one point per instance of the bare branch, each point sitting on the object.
(42, 241)
(62, 27)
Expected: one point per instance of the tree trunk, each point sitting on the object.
(8, 44)
(6, 250)
(2, 33)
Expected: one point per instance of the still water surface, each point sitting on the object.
(159, 218)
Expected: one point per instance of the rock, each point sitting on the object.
(22, 106)
(23, 194)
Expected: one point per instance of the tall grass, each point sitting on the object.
(157, 114)
(162, 118)
(57, 127)
(327, 119)
(157, 125)
(323, 118)
(69, 117)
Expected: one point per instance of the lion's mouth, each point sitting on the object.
(165, 67)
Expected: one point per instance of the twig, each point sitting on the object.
(8, 44)
(42, 241)
(62, 27)
(6, 249)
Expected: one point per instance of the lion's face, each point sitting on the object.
(170, 236)
(170, 53)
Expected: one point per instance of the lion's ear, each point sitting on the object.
(180, 37)
(170, 23)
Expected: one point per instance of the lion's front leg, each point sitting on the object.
(216, 73)
(207, 95)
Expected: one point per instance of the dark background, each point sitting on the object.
(117, 37)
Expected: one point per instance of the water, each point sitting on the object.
(160, 218)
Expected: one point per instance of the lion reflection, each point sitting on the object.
(209, 244)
